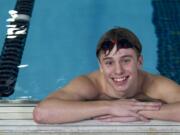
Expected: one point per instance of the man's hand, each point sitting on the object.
(111, 118)
(126, 110)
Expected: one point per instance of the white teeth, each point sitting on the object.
(119, 79)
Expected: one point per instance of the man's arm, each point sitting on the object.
(169, 112)
(169, 92)
(61, 111)
(69, 104)
(78, 101)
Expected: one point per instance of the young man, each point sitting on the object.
(118, 92)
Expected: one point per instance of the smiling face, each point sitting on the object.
(120, 69)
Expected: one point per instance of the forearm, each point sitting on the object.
(168, 112)
(61, 111)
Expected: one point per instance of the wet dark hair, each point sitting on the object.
(121, 37)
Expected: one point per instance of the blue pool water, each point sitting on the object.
(62, 39)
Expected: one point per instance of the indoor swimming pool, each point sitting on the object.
(62, 39)
(60, 44)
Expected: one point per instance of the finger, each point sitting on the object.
(147, 114)
(144, 119)
(120, 119)
(146, 108)
(133, 99)
(150, 106)
(148, 103)
(103, 117)
(138, 116)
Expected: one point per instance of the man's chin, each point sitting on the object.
(121, 87)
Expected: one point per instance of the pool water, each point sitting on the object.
(62, 40)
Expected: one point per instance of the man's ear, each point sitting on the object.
(100, 67)
(140, 61)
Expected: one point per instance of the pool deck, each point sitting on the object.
(16, 119)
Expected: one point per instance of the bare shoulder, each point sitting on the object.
(162, 88)
(81, 88)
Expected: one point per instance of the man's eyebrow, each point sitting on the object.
(107, 58)
(124, 56)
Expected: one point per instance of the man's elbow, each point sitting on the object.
(38, 115)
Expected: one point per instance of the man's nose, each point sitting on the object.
(119, 68)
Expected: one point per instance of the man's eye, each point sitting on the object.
(126, 60)
(108, 62)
